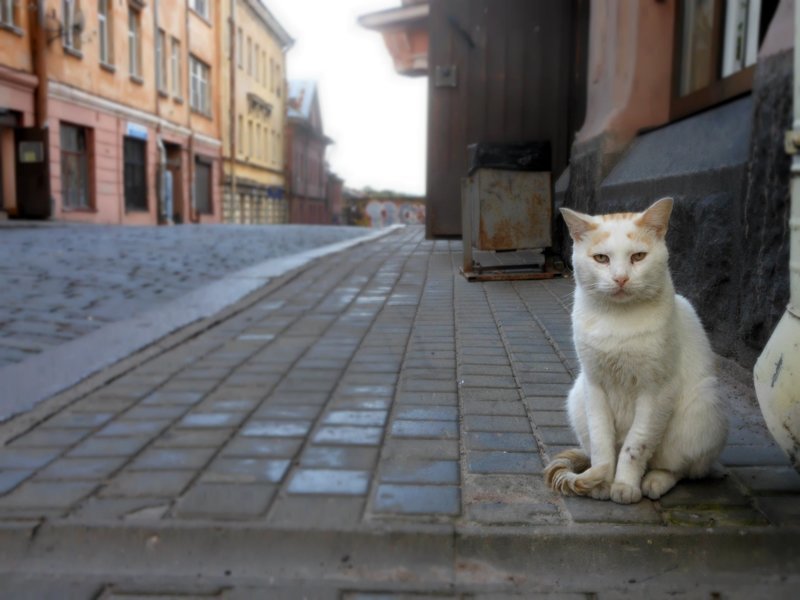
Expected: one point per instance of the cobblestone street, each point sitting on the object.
(62, 281)
(376, 426)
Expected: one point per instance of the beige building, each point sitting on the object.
(253, 90)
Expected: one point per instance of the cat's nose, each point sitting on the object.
(621, 280)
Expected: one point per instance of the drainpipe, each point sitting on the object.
(777, 372)
(162, 152)
(193, 217)
(39, 49)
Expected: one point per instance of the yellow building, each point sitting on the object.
(253, 90)
(108, 112)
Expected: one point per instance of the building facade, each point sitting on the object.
(253, 90)
(118, 99)
(306, 169)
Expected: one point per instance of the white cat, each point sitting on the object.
(645, 406)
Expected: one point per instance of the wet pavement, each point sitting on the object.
(376, 427)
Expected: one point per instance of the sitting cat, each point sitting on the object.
(645, 406)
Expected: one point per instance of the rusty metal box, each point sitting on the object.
(509, 210)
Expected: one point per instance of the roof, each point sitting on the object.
(301, 98)
(394, 17)
(272, 23)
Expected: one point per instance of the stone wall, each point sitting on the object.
(729, 175)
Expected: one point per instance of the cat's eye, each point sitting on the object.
(638, 256)
(601, 258)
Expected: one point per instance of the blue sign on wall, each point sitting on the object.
(137, 131)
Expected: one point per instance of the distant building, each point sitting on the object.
(109, 112)
(253, 91)
(306, 143)
(335, 198)
(369, 208)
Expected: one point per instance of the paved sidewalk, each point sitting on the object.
(374, 428)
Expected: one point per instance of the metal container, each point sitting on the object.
(509, 210)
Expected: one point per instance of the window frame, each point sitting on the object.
(105, 32)
(176, 63)
(134, 43)
(80, 157)
(204, 10)
(199, 86)
(162, 82)
(134, 175)
(8, 14)
(70, 42)
(720, 89)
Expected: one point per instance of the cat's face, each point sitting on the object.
(621, 257)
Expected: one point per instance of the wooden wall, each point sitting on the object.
(521, 76)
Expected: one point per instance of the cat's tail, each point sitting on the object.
(568, 473)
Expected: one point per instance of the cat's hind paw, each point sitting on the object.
(657, 483)
(622, 493)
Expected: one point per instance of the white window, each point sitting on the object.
(199, 91)
(258, 63)
(177, 84)
(249, 56)
(250, 138)
(200, 7)
(741, 35)
(7, 16)
(134, 43)
(239, 47)
(161, 61)
(72, 36)
(104, 32)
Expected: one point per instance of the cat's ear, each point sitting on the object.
(656, 218)
(579, 224)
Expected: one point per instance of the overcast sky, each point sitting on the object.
(376, 117)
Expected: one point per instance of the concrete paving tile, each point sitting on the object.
(503, 513)
(120, 509)
(494, 408)
(238, 405)
(536, 403)
(286, 411)
(588, 510)
(550, 418)
(329, 481)
(349, 435)
(124, 428)
(359, 403)
(496, 423)
(316, 511)
(484, 394)
(9, 479)
(704, 492)
(426, 413)
(562, 436)
(546, 389)
(165, 397)
(193, 438)
(417, 499)
(27, 458)
(258, 446)
(439, 472)
(47, 494)
(109, 446)
(211, 420)
(424, 429)
(722, 516)
(356, 417)
(428, 385)
(753, 455)
(276, 428)
(544, 377)
(171, 459)
(246, 470)
(340, 457)
(375, 390)
(512, 442)
(151, 484)
(96, 468)
(224, 501)
(79, 420)
(780, 510)
(504, 462)
(763, 480)
(428, 398)
(411, 448)
(487, 381)
(147, 413)
(50, 438)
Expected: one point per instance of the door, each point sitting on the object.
(33, 173)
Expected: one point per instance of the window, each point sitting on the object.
(716, 50)
(104, 31)
(265, 142)
(258, 141)
(199, 90)
(177, 83)
(271, 75)
(239, 47)
(134, 43)
(240, 146)
(74, 167)
(161, 61)
(72, 35)
(250, 138)
(279, 84)
(264, 77)
(135, 177)
(249, 56)
(7, 13)
(202, 186)
(258, 63)
(200, 7)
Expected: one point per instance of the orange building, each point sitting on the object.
(107, 111)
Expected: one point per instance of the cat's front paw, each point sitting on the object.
(622, 493)
(602, 491)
